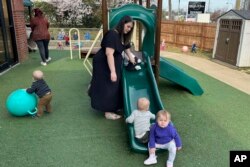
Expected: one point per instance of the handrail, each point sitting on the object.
(86, 62)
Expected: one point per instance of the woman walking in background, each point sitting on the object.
(40, 34)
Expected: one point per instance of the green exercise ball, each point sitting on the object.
(21, 103)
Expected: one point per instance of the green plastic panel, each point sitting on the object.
(138, 84)
(145, 16)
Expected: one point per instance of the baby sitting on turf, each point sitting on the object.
(141, 119)
(163, 135)
(42, 90)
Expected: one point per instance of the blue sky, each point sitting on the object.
(214, 4)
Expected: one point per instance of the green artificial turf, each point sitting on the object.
(75, 135)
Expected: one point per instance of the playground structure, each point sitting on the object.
(143, 83)
(71, 44)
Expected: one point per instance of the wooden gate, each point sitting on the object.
(228, 40)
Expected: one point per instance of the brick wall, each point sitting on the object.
(20, 29)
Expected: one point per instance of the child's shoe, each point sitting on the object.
(35, 116)
(138, 61)
(133, 67)
(137, 67)
(151, 160)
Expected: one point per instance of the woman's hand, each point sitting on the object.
(130, 56)
(132, 59)
(111, 63)
(113, 76)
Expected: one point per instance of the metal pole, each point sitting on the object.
(179, 10)
(208, 7)
(170, 9)
(157, 41)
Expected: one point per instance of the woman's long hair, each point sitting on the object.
(120, 27)
(38, 12)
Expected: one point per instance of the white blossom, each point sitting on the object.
(73, 10)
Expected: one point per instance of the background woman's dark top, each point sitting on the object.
(39, 26)
(106, 95)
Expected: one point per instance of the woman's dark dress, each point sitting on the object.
(106, 95)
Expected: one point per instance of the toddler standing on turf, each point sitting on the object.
(163, 135)
(60, 45)
(194, 47)
(42, 90)
(141, 119)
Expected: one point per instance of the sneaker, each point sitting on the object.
(169, 165)
(35, 116)
(112, 116)
(137, 67)
(44, 63)
(151, 160)
(138, 60)
(48, 60)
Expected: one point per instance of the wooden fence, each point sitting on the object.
(173, 32)
(185, 33)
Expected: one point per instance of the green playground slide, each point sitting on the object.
(138, 84)
(174, 74)
(142, 83)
